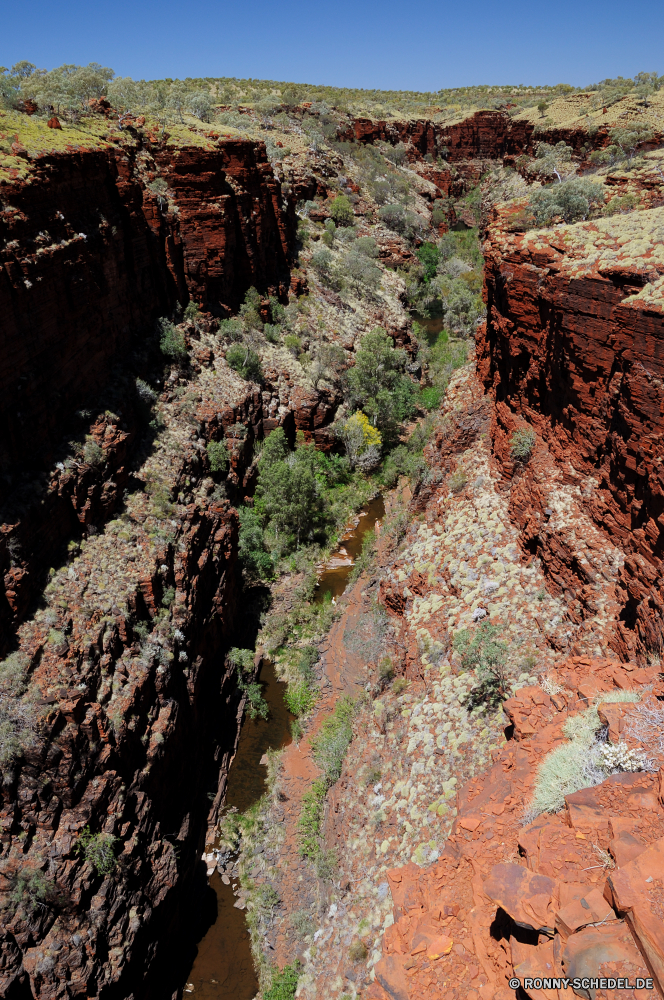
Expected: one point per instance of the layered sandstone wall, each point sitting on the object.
(574, 346)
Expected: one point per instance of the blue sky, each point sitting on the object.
(395, 44)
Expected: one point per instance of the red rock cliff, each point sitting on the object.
(490, 135)
(92, 256)
(574, 346)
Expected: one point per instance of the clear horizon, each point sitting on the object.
(388, 46)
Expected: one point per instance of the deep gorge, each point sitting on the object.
(122, 591)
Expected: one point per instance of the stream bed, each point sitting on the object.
(223, 968)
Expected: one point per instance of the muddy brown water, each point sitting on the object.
(431, 325)
(223, 968)
(334, 578)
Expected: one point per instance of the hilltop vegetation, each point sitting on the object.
(68, 87)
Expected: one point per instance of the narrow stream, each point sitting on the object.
(223, 967)
(335, 574)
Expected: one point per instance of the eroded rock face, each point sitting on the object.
(572, 347)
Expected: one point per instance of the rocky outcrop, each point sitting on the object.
(559, 898)
(572, 348)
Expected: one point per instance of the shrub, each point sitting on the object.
(245, 362)
(93, 453)
(192, 311)
(457, 481)
(299, 698)
(230, 329)
(401, 220)
(341, 211)
(172, 343)
(431, 397)
(217, 452)
(396, 154)
(13, 674)
(302, 923)
(257, 707)
(330, 745)
(358, 951)
(32, 890)
(439, 212)
(367, 246)
(522, 443)
(17, 717)
(169, 597)
(482, 652)
(621, 203)
(99, 849)
(146, 393)
(326, 864)
(399, 685)
(272, 333)
(572, 199)
(293, 343)
(401, 462)
(329, 749)
(322, 260)
(284, 984)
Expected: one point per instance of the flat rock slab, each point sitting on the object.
(529, 899)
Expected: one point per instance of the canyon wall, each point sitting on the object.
(485, 135)
(92, 256)
(131, 714)
(574, 347)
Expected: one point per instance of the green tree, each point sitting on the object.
(251, 549)
(377, 383)
(288, 496)
(245, 362)
(429, 257)
(172, 342)
(275, 449)
(218, 455)
(341, 211)
(553, 160)
(571, 199)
